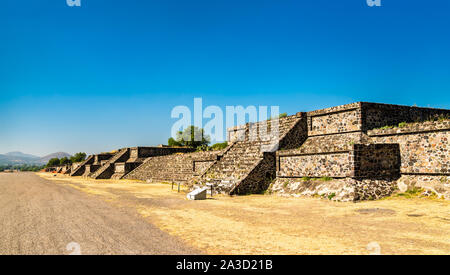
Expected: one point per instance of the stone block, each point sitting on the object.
(198, 194)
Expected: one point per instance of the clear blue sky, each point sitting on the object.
(107, 74)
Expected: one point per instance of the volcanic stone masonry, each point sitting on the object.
(350, 152)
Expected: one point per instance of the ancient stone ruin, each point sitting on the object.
(358, 151)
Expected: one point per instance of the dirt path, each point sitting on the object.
(38, 216)
(268, 224)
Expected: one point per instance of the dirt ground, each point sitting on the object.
(269, 224)
(38, 216)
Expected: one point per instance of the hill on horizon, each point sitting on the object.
(22, 158)
(59, 155)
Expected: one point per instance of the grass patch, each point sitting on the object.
(412, 193)
(386, 127)
(219, 146)
(440, 118)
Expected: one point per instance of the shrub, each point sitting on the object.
(203, 147)
(64, 161)
(279, 116)
(172, 142)
(78, 157)
(219, 146)
(192, 136)
(53, 162)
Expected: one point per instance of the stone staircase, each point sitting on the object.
(79, 171)
(107, 169)
(251, 161)
(157, 169)
(67, 171)
(121, 169)
(90, 169)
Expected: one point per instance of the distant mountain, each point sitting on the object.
(18, 158)
(21, 155)
(59, 155)
(21, 158)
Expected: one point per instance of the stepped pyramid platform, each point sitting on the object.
(351, 152)
(248, 164)
(66, 169)
(177, 168)
(127, 159)
(95, 163)
(341, 150)
(335, 144)
(80, 170)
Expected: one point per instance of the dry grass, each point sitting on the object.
(268, 224)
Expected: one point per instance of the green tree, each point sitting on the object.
(173, 142)
(78, 157)
(219, 146)
(192, 136)
(64, 161)
(53, 162)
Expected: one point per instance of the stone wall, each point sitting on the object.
(335, 164)
(340, 119)
(354, 160)
(179, 167)
(424, 147)
(375, 161)
(376, 115)
(137, 153)
(343, 189)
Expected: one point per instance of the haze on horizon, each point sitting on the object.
(106, 75)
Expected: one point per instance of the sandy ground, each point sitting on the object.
(269, 224)
(38, 216)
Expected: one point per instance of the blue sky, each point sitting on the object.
(107, 74)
